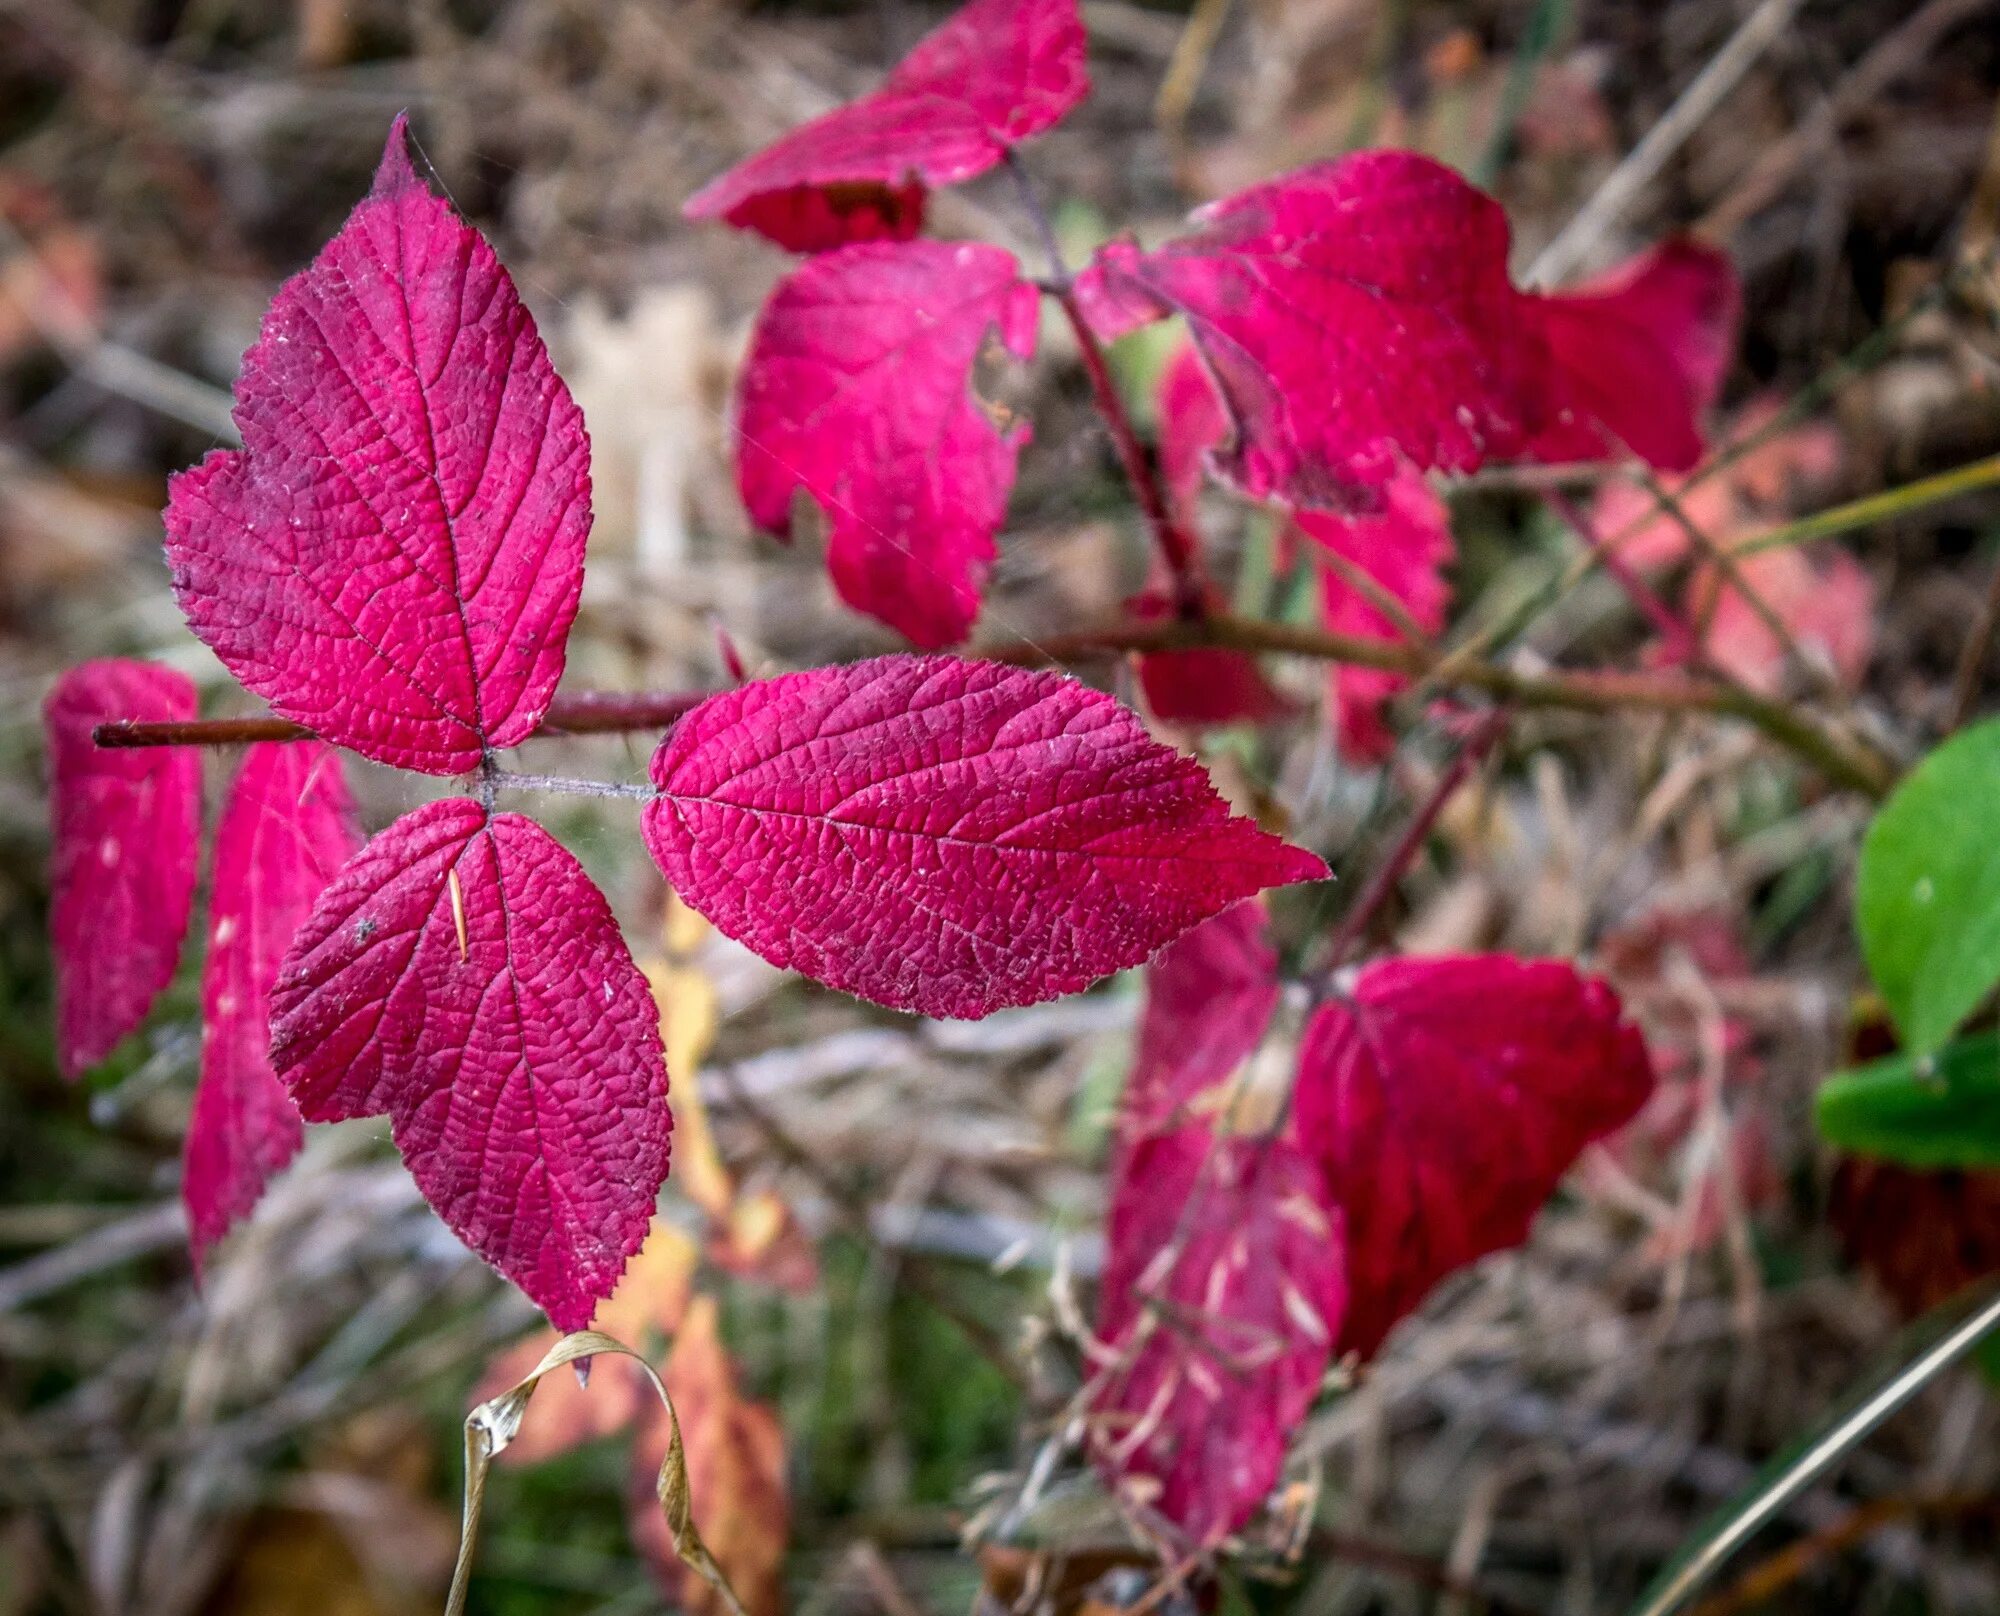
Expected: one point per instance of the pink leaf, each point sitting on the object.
(126, 827)
(1826, 603)
(1192, 422)
(463, 977)
(858, 391)
(1209, 998)
(1446, 1098)
(1637, 357)
(396, 553)
(1222, 1297)
(1350, 314)
(997, 73)
(946, 836)
(287, 827)
(1404, 548)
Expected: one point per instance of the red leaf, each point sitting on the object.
(995, 74)
(1192, 422)
(126, 827)
(463, 977)
(1222, 1297)
(396, 553)
(1404, 548)
(1209, 998)
(858, 391)
(1638, 356)
(1351, 314)
(946, 836)
(287, 827)
(1446, 1098)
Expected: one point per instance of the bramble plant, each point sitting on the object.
(392, 561)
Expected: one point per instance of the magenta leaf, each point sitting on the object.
(1445, 1099)
(126, 826)
(287, 827)
(463, 977)
(1222, 1297)
(1637, 357)
(1403, 548)
(994, 75)
(395, 554)
(946, 836)
(1351, 314)
(858, 391)
(1209, 997)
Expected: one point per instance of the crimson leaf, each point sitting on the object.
(995, 74)
(946, 836)
(1209, 998)
(464, 977)
(1402, 548)
(395, 554)
(1445, 1099)
(1351, 314)
(287, 827)
(1222, 1297)
(126, 826)
(1637, 357)
(857, 390)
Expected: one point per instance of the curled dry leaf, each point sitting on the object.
(996, 74)
(734, 1450)
(1445, 1099)
(126, 827)
(287, 827)
(1222, 1297)
(858, 391)
(394, 556)
(946, 836)
(649, 1303)
(464, 977)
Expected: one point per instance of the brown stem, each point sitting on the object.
(584, 712)
(1396, 863)
(1176, 546)
(1841, 759)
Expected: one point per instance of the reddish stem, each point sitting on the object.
(1176, 547)
(1682, 643)
(584, 712)
(1396, 864)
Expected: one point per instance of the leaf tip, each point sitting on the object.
(396, 173)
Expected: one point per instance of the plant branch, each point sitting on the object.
(1682, 643)
(1396, 863)
(585, 712)
(1839, 757)
(1176, 546)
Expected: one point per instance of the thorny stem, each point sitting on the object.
(568, 786)
(1176, 547)
(1396, 863)
(586, 712)
(1837, 756)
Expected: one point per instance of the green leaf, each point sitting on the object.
(1927, 895)
(1938, 1110)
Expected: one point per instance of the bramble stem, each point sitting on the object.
(1838, 757)
(562, 785)
(585, 712)
(1682, 643)
(1176, 547)
(1396, 863)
